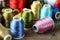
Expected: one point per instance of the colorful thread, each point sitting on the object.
(8, 15)
(13, 4)
(17, 27)
(28, 18)
(57, 4)
(43, 25)
(46, 11)
(54, 11)
(21, 5)
(35, 7)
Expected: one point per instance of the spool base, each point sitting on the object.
(19, 38)
(27, 28)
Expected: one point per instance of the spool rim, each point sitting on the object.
(27, 10)
(56, 16)
(19, 37)
(17, 18)
(36, 2)
(5, 38)
(8, 10)
(36, 30)
(47, 6)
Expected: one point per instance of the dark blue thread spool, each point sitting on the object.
(54, 10)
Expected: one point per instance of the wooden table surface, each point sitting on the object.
(51, 35)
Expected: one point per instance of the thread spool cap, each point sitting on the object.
(57, 16)
(27, 10)
(36, 2)
(17, 18)
(8, 10)
(47, 5)
(8, 37)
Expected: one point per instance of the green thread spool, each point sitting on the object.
(28, 18)
(8, 15)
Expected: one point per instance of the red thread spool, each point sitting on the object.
(57, 4)
(22, 4)
(13, 4)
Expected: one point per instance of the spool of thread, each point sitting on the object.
(57, 15)
(43, 25)
(17, 27)
(35, 7)
(21, 5)
(46, 11)
(4, 33)
(57, 4)
(8, 15)
(54, 11)
(28, 18)
(51, 2)
(13, 4)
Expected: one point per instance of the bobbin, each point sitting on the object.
(17, 19)
(43, 28)
(35, 7)
(27, 16)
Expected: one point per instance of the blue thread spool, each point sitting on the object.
(54, 10)
(46, 11)
(17, 27)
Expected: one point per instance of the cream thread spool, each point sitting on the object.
(35, 7)
(4, 33)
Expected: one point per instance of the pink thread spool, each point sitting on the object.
(43, 25)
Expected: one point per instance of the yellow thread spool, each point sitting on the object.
(8, 15)
(35, 7)
(4, 33)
